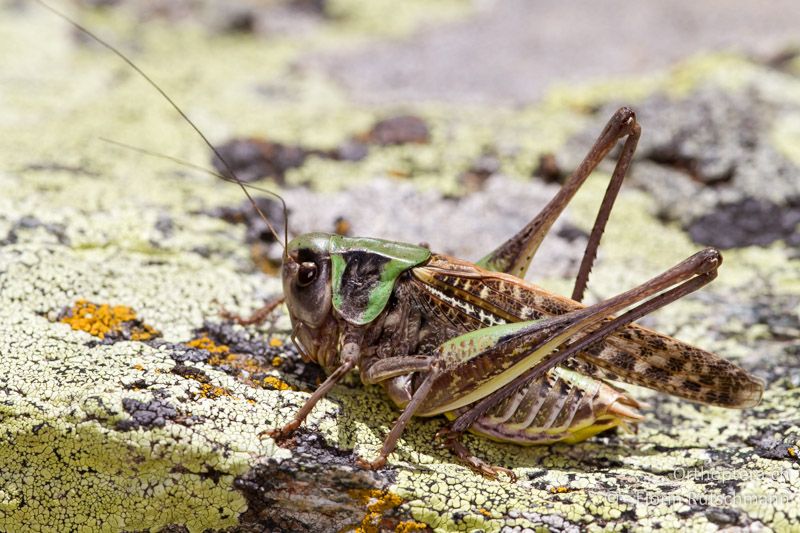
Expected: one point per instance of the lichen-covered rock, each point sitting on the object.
(128, 402)
(711, 161)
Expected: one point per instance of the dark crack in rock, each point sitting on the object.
(174, 528)
(137, 384)
(320, 489)
(724, 517)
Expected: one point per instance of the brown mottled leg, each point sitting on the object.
(515, 255)
(258, 316)
(400, 425)
(452, 441)
(350, 354)
(620, 170)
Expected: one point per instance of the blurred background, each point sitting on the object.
(306, 92)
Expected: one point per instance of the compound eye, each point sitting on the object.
(306, 274)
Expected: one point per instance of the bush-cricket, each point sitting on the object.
(498, 356)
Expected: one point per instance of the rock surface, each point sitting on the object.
(128, 403)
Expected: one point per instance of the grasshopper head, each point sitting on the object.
(307, 289)
(332, 280)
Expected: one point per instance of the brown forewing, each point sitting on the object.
(470, 297)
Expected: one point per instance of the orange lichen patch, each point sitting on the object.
(104, 320)
(222, 355)
(207, 390)
(560, 490)
(275, 383)
(485, 512)
(792, 452)
(246, 366)
(275, 342)
(410, 525)
(378, 502)
(204, 343)
(137, 366)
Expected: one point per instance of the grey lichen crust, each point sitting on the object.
(163, 427)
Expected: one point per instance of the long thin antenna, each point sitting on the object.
(189, 164)
(182, 114)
